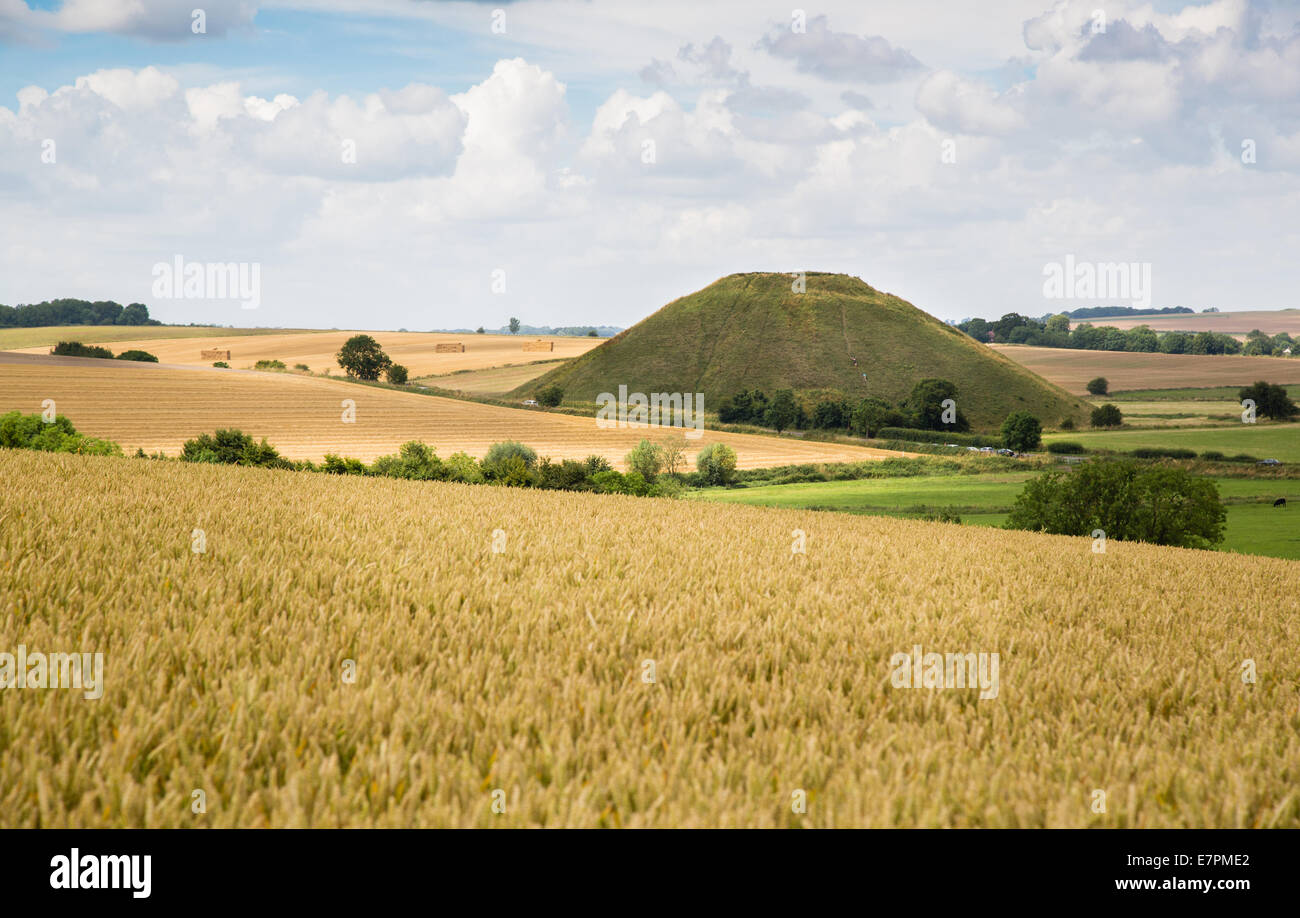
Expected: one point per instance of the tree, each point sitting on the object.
(1098, 386)
(716, 464)
(647, 459)
(1126, 501)
(831, 413)
(928, 410)
(396, 374)
(871, 414)
(510, 449)
(1271, 400)
(1059, 324)
(142, 356)
(782, 411)
(550, 396)
(591, 333)
(674, 453)
(363, 358)
(479, 331)
(1021, 431)
(1107, 416)
(514, 326)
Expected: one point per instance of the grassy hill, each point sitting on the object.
(750, 331)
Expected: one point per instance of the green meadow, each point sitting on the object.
(1263, 440)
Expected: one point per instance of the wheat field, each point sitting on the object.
(414, 350)
(155, 408)
(507, 688)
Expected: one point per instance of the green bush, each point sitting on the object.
(77, 349)
(463, 468)
(550, 396)
(1065, 446)
(506, 449)
(30, 431)
(1156, 452)
(1067, 424)
(646, 460)
(414, 460)
(337, 465)
(269, 365)
(233, 447)
(221, 364)
(141, 356)
(396, 374)
(1213, 455)
(716, 464)
(1098, 386)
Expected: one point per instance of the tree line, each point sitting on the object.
(74, 312)
(1055, 331)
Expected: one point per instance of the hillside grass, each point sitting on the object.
(750, 331)
(522, 671)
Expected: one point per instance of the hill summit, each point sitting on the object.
(839, 335)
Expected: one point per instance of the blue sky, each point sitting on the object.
(525, 153)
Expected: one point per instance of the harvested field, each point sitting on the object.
(417, 351)
(158, 408)
(1271, 321)
(41, 339)
(493, 381)
(1071, 369)
(523, 671)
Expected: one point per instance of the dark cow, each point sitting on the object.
(1280, 502)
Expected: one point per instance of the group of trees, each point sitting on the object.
(31, 431)
(77, 349)
(923, 409)
(1271, 400)
(654, 469)
(75, 312)
(362, 358)
(1055, 331)
(1124, 500)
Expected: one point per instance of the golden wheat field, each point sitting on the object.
(519, 676)
(156, 408)
(414, 350)
(1071, 369)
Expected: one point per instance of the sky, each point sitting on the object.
(419, 164)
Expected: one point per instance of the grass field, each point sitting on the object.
(1271, 321)
(317, 349)
(492, 381)
(156, 408)
(1262, 440)
(43, 338)
(1254, 526)
(1228, 394)
(525, 672)
(1071, 369)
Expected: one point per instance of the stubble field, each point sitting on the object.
(1071, 369)
(519, 676)
(156, 408)
(414, 350)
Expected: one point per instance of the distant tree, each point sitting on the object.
(871, 414)
(647, 459)
(1271, 400)
(550, 396)
(1021, 431)
(674, 453)
(479, 331)
(782, 412)
(507, 449)
(232, 447)
(221, 364)
(592, 334)
(363, 358)
(77, 349)
(1107, 416)
(135, 314)
(396, 374)
(1126, 501)
(927, 408)
(1098, 386)
(1142, 340)
(514, 326)
(831, 414)
(1059, 324)
(716, 464)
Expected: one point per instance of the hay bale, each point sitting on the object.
(449, 347)
(539, 345)
(215, 353)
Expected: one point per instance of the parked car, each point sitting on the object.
(1006, 452)
(1268, 462)
(530, 403)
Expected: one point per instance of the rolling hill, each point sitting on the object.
(750, 331)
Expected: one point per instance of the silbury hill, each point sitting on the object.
(840, 335)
